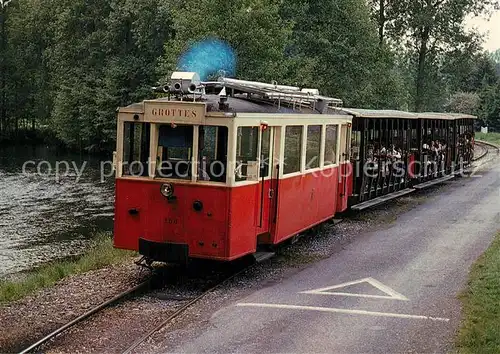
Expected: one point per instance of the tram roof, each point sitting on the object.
(394, 114)
(242, 104)
(236, 104)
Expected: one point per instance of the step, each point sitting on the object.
(433, 182)
(382, 199)
(263, 256)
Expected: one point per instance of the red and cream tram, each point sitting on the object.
(214, 175)
(214, 170)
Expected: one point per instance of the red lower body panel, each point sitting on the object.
(230, 221)
(224, 229)
(305, 201)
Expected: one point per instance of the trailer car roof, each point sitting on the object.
(375, 113)
(394, 114)
(447, 116)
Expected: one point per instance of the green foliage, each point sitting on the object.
(493, 138)
(496, 56)
(334, 48)
(489, 111)
(77, 61)
(431, 30)
(464, 102)
(67, 65)
(117, 44)
(337, 60)
(252, 27)
(480, 332)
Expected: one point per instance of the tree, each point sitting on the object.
(468, 70)
(495, 56)
(384, 12)
(133, 45)
(334, 47)
(29, 84)
(489, 111)
(253, 28)
(104, 55)
(430, 29)
(464, 102)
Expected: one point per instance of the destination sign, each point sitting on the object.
(174, 112)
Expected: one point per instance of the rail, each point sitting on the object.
(88, 314)
(486, 151)
(180, 311)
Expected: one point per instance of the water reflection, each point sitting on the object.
(43, 217)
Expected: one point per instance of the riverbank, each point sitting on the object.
(99, 255)
(480, 330)
(25, 321)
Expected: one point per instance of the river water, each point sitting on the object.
(46, 215)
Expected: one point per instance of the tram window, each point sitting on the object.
(175, 151)
(212, 156)
(265, 154)
(293, 149)
(246, 153)
(313, 149)
(331, 145)
(136, 137)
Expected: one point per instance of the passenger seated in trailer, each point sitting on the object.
(468, 146)
(395, 161)
(395, 154)
(371, 162)
(442, 152)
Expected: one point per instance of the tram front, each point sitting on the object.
(171, 191)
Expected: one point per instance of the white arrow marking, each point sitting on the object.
(391, 293)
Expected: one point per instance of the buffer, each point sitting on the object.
(391, 294)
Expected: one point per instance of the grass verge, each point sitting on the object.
(100, 254)
(480, 329)
(493, 138)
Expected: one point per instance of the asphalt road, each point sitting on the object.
(412, 272)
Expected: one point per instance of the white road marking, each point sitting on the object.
(344, 311)
(391, 293)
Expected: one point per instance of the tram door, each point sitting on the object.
(266, 186)
(344, 185)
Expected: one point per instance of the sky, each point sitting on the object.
(491, 27)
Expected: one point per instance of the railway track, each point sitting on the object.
(182, 309)
(142, 288)
(487, 147)
(484, 151)
(118, 298)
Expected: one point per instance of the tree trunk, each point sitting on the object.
(3, 55)
(420, 82)
(381, 21)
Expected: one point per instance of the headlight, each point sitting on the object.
(167, 190)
